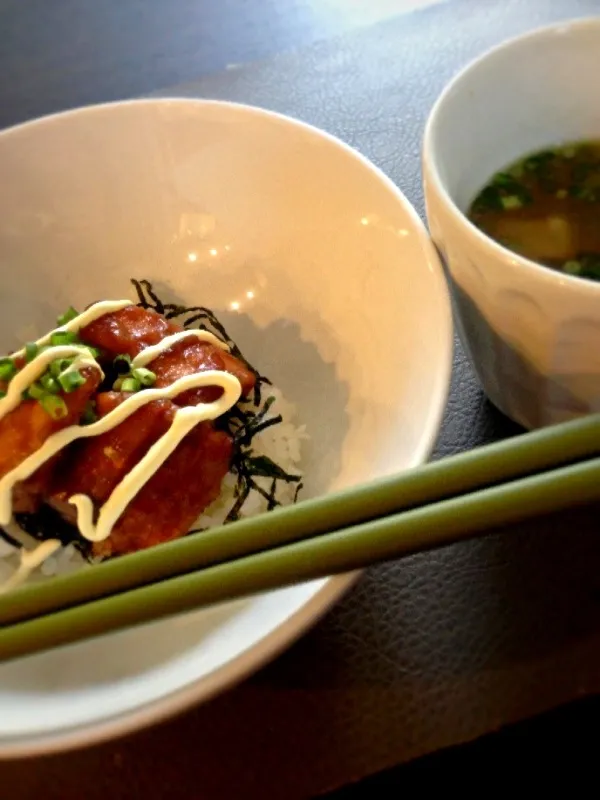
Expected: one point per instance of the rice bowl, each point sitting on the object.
(317, 267)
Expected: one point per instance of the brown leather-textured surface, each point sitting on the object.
(425, 653)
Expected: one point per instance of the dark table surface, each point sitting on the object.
(425, 654)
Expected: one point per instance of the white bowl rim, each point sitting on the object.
(547, 274)
(269, 646)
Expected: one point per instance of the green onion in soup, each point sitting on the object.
(546, 207)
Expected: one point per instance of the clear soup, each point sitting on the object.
(546, 207)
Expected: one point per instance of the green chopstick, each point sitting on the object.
(523, 455)
(443, 523)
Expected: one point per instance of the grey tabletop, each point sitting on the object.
(425, 653)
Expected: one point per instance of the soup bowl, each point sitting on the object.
(532, 333)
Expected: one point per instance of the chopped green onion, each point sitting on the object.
(122, 363)
(71, 380)
(54, 406)
(517, 170)
(60, 365)
(130, 385)
(89, 414)
(538, 161)
(504, 180)
(7, 369)
(572, 267)
(50, 383)
(31, 351)
(488, 199)
(59, 338)
(590, 266)
(145, 376)
(2, 394)
(69, 314)
(510, 202)
(93, 351)
(37, 391)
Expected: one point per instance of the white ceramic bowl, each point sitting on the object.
(318, 267)
(533, 334)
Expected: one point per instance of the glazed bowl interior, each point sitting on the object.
(320, 271)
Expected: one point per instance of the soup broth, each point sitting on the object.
(546, 207)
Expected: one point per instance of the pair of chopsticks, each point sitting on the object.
(451, 500)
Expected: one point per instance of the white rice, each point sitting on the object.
(282, 443)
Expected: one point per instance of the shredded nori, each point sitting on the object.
(242, 423)
(49, 524)
(188, 316)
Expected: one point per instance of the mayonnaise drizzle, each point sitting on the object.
(183, 421)
(86, 317)
(152, 352)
